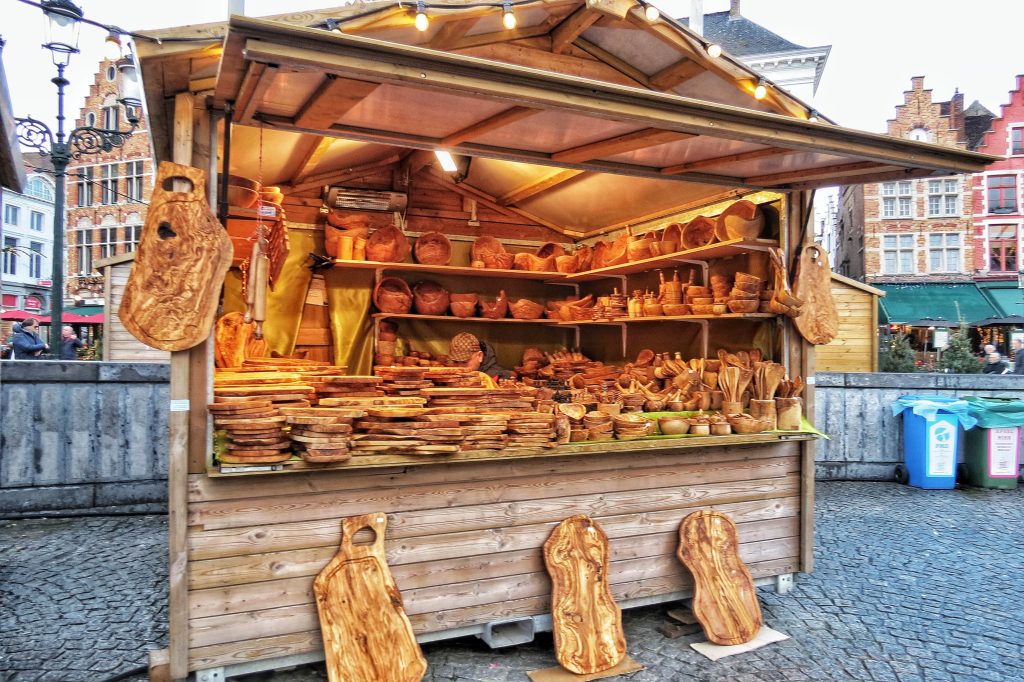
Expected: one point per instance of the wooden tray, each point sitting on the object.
(367, 635)
(587, 623)
(725, 600)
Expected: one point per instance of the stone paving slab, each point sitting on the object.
(910, 586)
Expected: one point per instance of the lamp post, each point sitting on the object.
(62, 22)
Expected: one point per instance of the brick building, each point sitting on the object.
(998, 215)
(914, 238)
(108, 193)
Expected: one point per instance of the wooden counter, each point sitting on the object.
(464, 539)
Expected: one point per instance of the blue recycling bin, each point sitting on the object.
(931, 439)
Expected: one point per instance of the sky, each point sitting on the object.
(877, 46)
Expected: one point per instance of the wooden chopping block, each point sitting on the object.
(724, 601)
(367, 635)
(819, 320)
(171, 297)
(587, 623)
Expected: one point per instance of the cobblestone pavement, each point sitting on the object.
(909, 586)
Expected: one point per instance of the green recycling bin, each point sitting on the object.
(992, 449)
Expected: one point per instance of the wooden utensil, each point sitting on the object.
(724, 601)
(819, 319)
(587, 623)
(171, 297)
(367, 635)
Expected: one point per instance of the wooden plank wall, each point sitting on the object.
(118, 344)
(464, 541)
(855, 349)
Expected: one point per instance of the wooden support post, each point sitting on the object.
(178, 446)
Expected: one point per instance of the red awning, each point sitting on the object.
(69, 318)
(19, 315)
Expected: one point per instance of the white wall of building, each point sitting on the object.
(26, 232)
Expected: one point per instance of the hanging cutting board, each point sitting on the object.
(587, 623)
(172, 293)
(819, 319)
(367, 635)
(724, 600)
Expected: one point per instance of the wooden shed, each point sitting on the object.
(856, 347)
(118, 344)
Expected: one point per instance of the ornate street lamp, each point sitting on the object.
(63, 20)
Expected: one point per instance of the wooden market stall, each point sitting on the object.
(584, 120)
(855, 348)
(118, 344)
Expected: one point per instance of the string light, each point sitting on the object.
(812, 115)
(651, 13)
(508, 19)
(332, 25)
(714, 50)
(422, 21)
(112, 46)
(761, 91)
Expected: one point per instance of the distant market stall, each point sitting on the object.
(620, 218)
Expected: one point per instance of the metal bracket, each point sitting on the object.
(210, 675)
(784, 583)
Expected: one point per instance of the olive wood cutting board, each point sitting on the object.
(171, 297)
(367, 635)
(725, 600)
(587, 623)
(819, 319)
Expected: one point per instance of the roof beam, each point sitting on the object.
(827, 172)
(676, 74)
(482, 127)
(504, 35)
(540, 185)
(332, 100)
(451, 32)
(309, 151)
(640, 139)
(344, 174)
(569, 30)
(611, 60)
(257, 79)
(729, 158)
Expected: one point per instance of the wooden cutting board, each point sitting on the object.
(819, 319)
(724, 601)
(587, 623)
(171, 296)
(367, 635)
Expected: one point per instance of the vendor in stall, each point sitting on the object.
(469, 351)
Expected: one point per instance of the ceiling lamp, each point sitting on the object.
(422, 21)
(761, 91)
(508, 19)
(447, 161)
(714, 50)
(651, 13)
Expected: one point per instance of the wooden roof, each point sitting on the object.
(12, 170)
(584, 118)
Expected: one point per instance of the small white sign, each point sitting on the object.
(1004, 452)
(941, 338)
(941, 449)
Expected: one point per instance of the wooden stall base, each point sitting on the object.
(566, 449)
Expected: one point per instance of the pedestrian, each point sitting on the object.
(995, 365)
(988, 350)
(469, 351)
(69, 343)
(26, 344)
(1018, 356)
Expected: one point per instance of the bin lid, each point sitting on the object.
(928, 406)
(994, 413)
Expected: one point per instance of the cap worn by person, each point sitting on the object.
(463, 346)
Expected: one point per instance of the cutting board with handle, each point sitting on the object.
(819, 319)
(367, 635)
(171, 297)
(724, 599)
(587, 623)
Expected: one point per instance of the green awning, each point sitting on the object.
(1008, 298)
(85, 309)
(904, 303)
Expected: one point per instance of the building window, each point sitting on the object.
(35, 221)
(40, 189)
(84, 247)
(111, 73)
(943, 198)
(90, 119)
(106, 237)
(9, 301)
(944, 252)
(10, 264)
(1017, 141)
(108, 183)
(35, 260)
(85, 178)
(112, 117)
(1002, 194)
(133, 178)
(1002, 248)
(898, 199)
(11, 215)
(898, 254)
(132, 235)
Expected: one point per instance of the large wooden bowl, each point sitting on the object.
(463, 305)
(489, 251)
(742, 220)
(387, 245)
(618, 251)
(393, 295)
(242, 197)
(430, 298)
(525, 309)
(433, 248)
(584, 258)
(496, 309)
(698, 232)
(549, 249)
(532, 263)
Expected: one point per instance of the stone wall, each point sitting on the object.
(855, 410)
(82, 436)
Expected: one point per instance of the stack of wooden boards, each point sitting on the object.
(321, 434)
(406, 431)
(485, 400)
(283, 389)
(254, 432)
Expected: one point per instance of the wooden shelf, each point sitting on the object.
(733, 247)
(452, 318)
(676, 318)
(552, 277)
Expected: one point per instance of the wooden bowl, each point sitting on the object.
(242, 197)
(698, 291)
(741, 220)
(242, 181)
(740, 295)
(698, 232)
(653, 309)
(497, 309)
(430, 298)
(673, 426)
(738, 306)
(433, 248)
(525, 309)
(393, 295)
(703, 309)
(489, 251)
(744, 423)
(702, 300)
(671, 237)
(639, 249)
(618, 251)
(749, 287)
(549, 249)
(566, 264)
(747, 277)
(721, 429)
(718, 309)
(532, 263)
(676, 309)
(463, 305)
(387, 245)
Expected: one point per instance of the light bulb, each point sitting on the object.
(714, 50)
(508, 19)
(761, 91)
(447, 161)
(812, 116)
(651, 13)
(422, 21)
(112, 46)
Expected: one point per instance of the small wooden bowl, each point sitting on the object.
(718, 309)
(242, 197)
(676, 309)
(702, 301)
(740, 295)
(747, 277)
